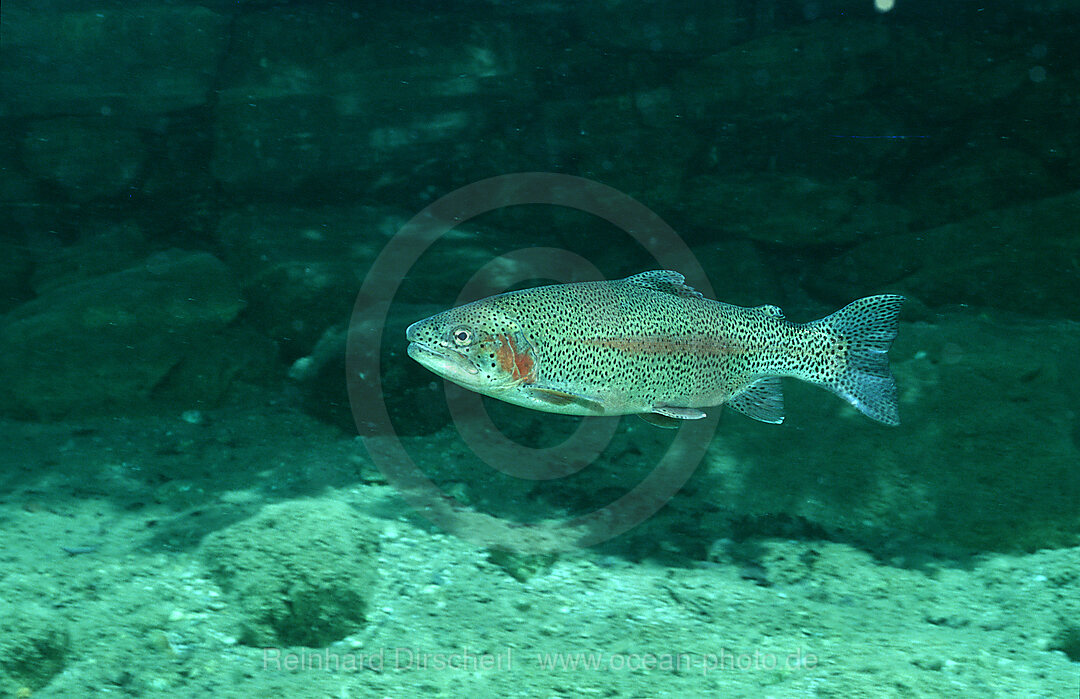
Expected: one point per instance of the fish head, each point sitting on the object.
(477, 345)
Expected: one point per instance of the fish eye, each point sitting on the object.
(462, 336)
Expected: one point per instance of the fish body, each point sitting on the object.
(652, 345)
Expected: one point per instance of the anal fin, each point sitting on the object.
(762, 400)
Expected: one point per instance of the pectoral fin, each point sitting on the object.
(557, 397)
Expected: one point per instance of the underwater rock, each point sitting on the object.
(301, 573)
(981, 176)
(827, 141)
(785, 71)
(790, 210)
(634, 142)
(695, 27)
(300, 267)
(16, 186)
(946, 77)
(521, 566)
(16, 268)
(87, 157)
(108, 59)
(984, 457)
(739, 273)
(1022, 258)
(104, 247)
(310, 97)
(105, 343)
(34, 644)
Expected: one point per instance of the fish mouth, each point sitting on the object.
(445, 363)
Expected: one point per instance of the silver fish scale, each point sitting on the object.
(647, 346)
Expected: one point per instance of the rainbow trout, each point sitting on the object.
(649, 344)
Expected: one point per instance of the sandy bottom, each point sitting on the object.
(104, 589)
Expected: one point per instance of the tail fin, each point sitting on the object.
(869, 325)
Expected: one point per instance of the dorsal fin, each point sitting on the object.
(666, 281)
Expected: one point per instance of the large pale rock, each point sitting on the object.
(301, 573)
(35, 645)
